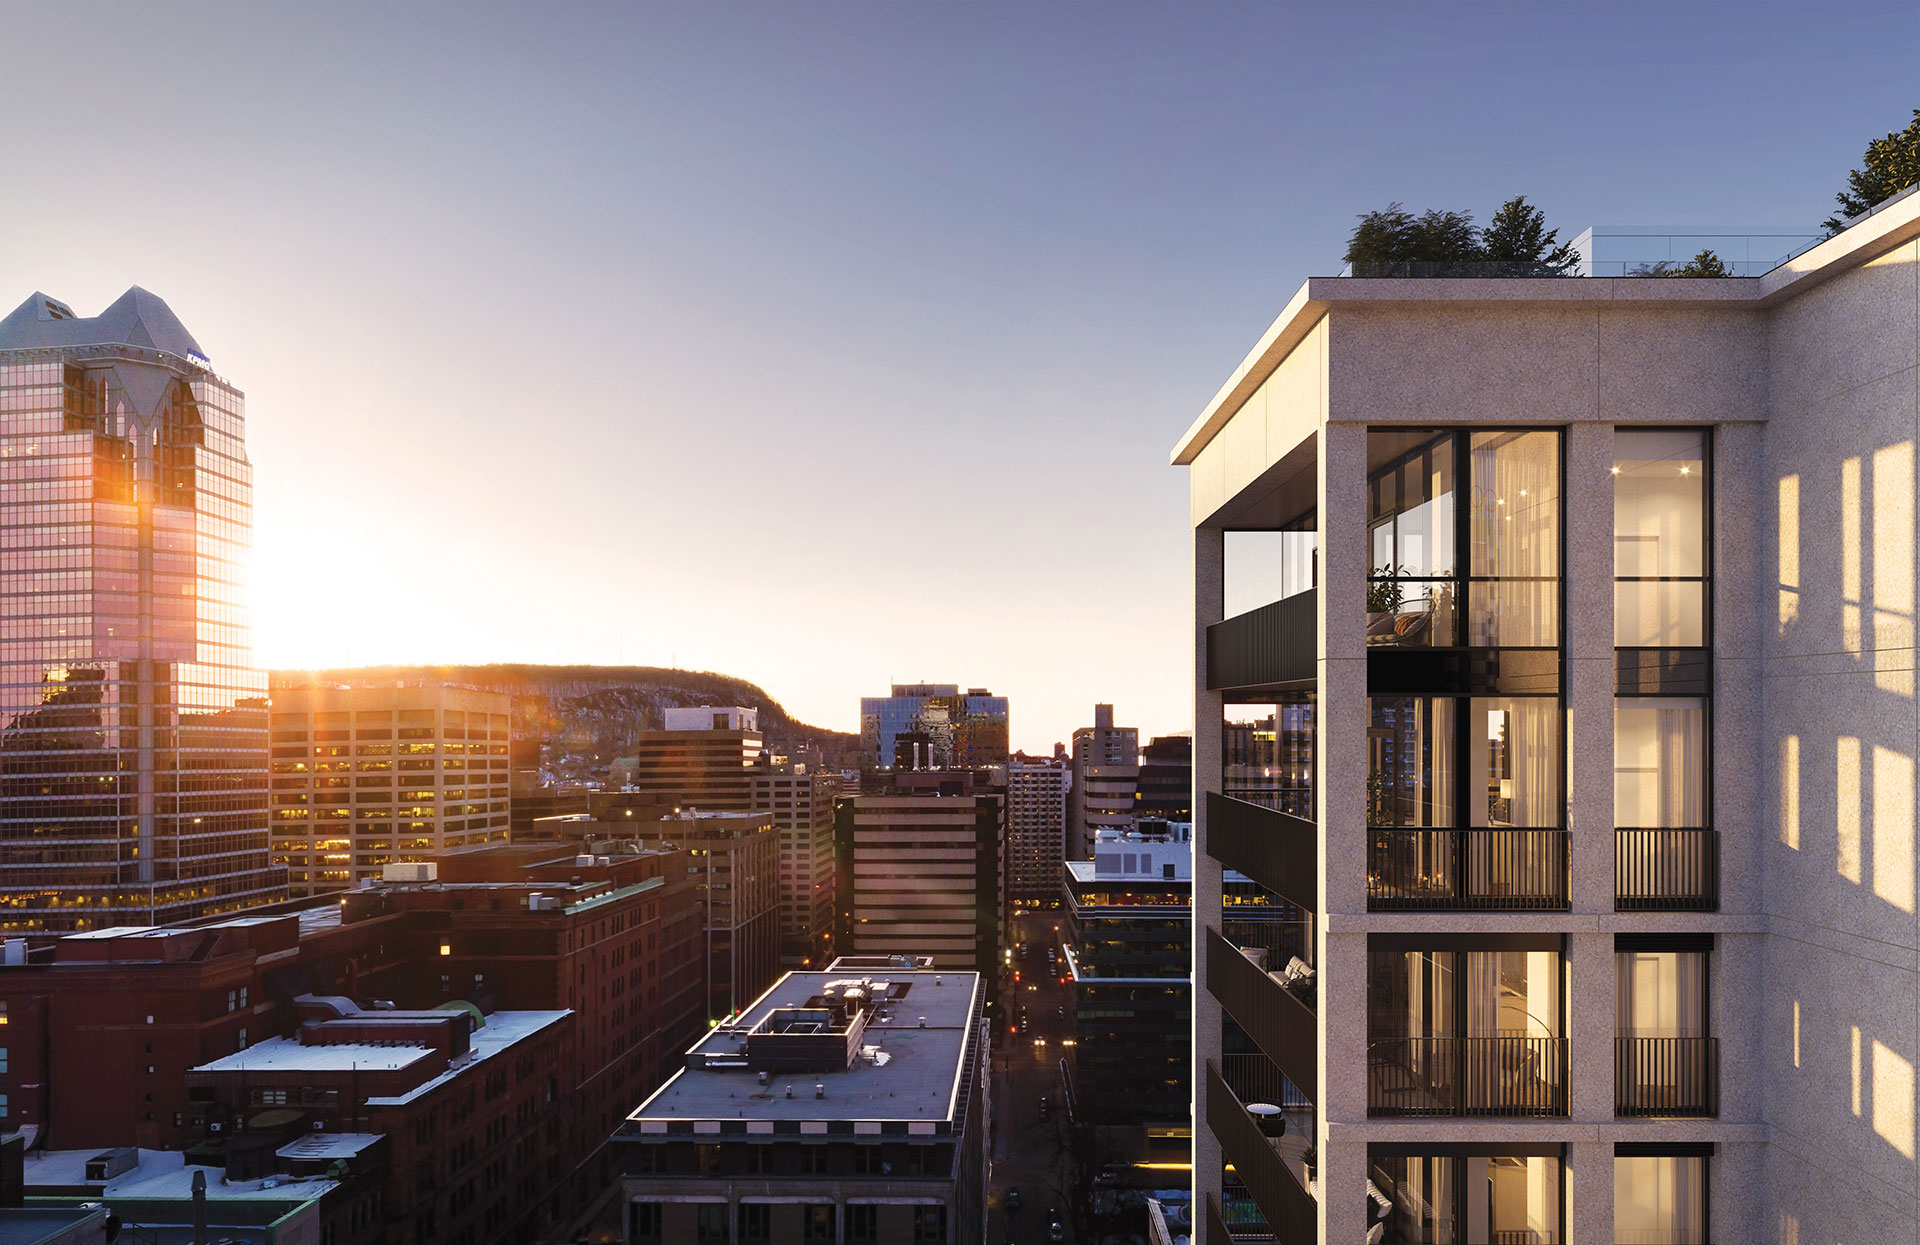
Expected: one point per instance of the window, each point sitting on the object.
(706, 1160)
(813, 1160)
(5, 1109)
(1503, 531)
(710, 1222)
(759, 1160)
(1659, 538)
(929, 1224)
(1466, 1031)
(816, 1222)
(1261, 567)
(1443, 1198)
(1665, 1059)
(3, 1061)
(862, 1224)
(1660, 1196)
(1267, 754)
(1659, 761)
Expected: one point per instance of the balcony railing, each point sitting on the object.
(1666, 1076)
(1277, 643)
(1280, 1024)
(1279, 851)
(1255, 1078)
(1274, 1187)
(1666, 870)
(1473, 869)
(1496, 1076)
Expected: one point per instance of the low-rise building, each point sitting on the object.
(847, 1105)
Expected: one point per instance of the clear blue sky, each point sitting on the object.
(823, 344)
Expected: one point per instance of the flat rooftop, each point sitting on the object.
(158, 1174)
(903, 1073)
(501, 1031)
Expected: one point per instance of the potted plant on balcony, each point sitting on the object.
(1311, 1161)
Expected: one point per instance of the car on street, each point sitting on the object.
(1046, 1107)
(1057, 1231)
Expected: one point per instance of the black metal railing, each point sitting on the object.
(1472, 869)
(1279, 851)
(1279, 1024)
(1235, 1216)
(1497, 1076)
(1666, 870)
(1256, 1078)
(1666, 1076)
(1274, 1187)
(1277, 643)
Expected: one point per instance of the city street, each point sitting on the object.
(1029, 1153)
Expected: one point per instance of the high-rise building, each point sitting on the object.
(369, 776)
(1106, 772)
(1590, 603)
(921, 874)
(714, 757)
(933, 726)
(1129, 952)
(1165, 787)
(1036, 830)
(133, 724)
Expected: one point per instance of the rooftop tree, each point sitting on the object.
(1890, 165)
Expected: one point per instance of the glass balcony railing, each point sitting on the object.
(1626, 251)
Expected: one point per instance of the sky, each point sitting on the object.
(825, 345)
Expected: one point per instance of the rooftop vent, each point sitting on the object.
(923, 1022)
(819, 1090)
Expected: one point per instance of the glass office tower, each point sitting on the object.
(133, 726)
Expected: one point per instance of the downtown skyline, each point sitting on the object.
(884, 314)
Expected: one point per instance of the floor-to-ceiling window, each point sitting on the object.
(1660, 1194)
(1466, 1195)
(1666, 853)
(1466, 1026)
(1666, 1060)
(1465, 802)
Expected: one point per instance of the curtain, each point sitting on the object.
(1659, 759)
(1515, 522)
(1660, 994)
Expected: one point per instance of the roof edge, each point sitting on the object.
(1892, 225)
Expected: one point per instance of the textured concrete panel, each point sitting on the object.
(1463, 364)
(1858, 327)
(1682, 364)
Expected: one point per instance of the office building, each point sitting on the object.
(1165, 786)
(1129, 938)
(529, 802)
(714, 758)
(732, 863)
(1106, 774)
(846, 1105)
(801, 805)
(370, 776)
(921, 873)
(1036, 830)
(1590, 603)
(923, 726)
(133, 724)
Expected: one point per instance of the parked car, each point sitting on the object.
(1046, 1107)
(1057, 1231)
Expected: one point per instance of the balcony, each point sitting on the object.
(1480, 870)
(1524, 1077)
(1666, 870)
(1277, 850)
(1272, 1182)
(1677, 1076)
(1280, 1024)
(1277, 643)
